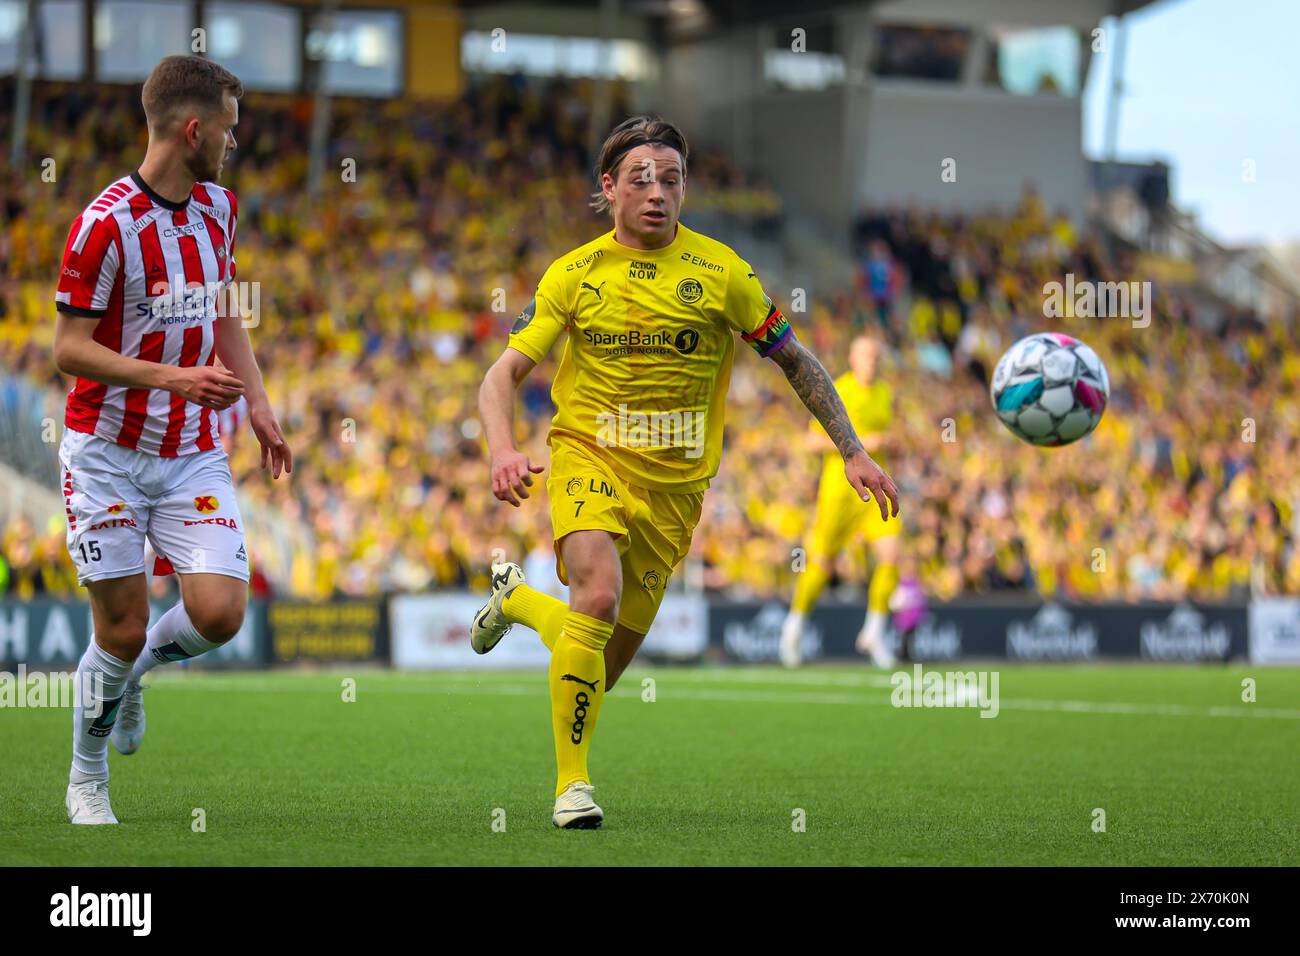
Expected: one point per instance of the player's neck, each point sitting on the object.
(625, 237)
(166, 177)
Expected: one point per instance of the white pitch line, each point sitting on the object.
(459, 686)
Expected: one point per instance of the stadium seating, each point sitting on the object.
(384, 299)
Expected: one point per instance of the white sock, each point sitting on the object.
(173, 638)
(873, 631)
(101, 678)
(792, 628)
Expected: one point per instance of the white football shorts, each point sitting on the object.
(117, 497)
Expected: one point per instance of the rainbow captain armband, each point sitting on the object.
(771, 335)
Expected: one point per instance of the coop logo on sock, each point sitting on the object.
(204, 504)
(74, 909)
(579, 712)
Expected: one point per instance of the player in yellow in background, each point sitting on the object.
(841, 520)
(648, 314)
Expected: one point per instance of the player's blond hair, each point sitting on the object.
(633, 132)
(178, 82)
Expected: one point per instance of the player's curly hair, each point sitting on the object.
(181, 81)
(633, 132)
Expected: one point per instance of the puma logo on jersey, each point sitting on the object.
(595, 289)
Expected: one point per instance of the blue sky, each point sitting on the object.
(1209, 84)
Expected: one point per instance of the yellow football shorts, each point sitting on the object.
(843, 518)
(653, 528)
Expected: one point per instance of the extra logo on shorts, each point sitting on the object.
(206, 504)
(650, 581)
(573, 486)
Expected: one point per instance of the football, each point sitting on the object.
(1050, 389)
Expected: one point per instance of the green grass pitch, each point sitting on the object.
(714, 770)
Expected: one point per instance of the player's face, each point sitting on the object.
(216, 140)
(863, 355)
(647, 197)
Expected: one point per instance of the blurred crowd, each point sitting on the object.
(383, 300)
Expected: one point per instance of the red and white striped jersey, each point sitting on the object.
(150, 271)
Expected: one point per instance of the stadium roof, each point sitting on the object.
(719, 12)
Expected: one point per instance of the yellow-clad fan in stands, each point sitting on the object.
(648, 313)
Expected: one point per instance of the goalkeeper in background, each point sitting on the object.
(841, 520)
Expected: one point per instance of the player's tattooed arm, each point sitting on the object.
(812, 383)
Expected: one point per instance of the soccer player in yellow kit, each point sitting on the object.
(648, 313)
(841, 520)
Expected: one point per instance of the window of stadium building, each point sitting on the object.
(258, 42)
(361, 51)
(920, 52)
(1029, 61)
(133, 35)
(60, 50)
(539, 55)
(803, 71)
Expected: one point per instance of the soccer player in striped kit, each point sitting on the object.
(142, 326)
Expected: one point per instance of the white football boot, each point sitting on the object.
(791, 635)
(128, 732)
(575, 810)
(490, 623)
(871, 641)
(88, 803)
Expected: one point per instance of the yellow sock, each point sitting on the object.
(809, 586)
(883, 581)
(577, 681)
(531, 608)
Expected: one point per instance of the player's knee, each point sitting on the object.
(219, 623)
(598, 601)
(123, 637)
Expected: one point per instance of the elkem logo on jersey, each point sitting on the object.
(701, 262)
(205, 504)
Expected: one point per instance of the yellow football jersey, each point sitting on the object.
(871, 410)
(649, 341)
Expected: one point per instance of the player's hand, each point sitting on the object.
(208, 385)
(512, 476)
(870, 481)
(275, 450)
